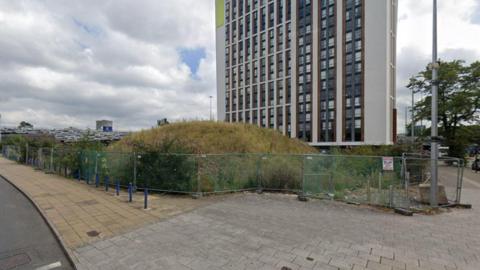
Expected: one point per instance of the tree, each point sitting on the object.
(458, 99)
(24, 124)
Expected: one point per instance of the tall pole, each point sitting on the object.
(413, 115)
(0, 128)
(406, 121)
(434, 135)
(211, 117)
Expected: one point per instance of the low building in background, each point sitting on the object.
(105, 125)
(66, 135)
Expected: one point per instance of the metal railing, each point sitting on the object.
(357, 179)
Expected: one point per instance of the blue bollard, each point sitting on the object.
(79, 176)
(107, 183)
(97, 180)
(129, 192)
(117, 188)
(145, 201)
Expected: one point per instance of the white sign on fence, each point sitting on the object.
(387, 163)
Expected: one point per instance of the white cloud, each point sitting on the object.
(68, 63)
(458, 38)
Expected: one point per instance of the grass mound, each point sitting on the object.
(207, 137)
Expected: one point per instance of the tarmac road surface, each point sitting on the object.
(26, 241)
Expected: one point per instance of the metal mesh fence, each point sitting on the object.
(217, 173)
(416, 170)
(357, 179)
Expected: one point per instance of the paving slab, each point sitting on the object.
(83, 214)
(274, 231)
(267, 231)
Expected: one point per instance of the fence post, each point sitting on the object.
(97, 180)
(130, 192)
(117, 188)
(381, 196)
(301, 195)
(79, 157)
(369, 195)
(303, 175)
(96, 163)
(407, 186)
(107, 180)
(459, 181)
(259, 182)
(145, 200)
(334, 170)
(26, 153)
(199, 178)
(390, 199)
(135, 168)
(331, 186)
(39, 162)
(403, 168)
(50, 169)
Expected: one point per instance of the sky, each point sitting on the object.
(69, 63)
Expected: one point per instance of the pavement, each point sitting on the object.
(471, 179)
(26, 242)
(272, 231)
(83, 214)
(267, 231)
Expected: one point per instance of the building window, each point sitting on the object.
(354, 68)
(271, 15)
(263, 19)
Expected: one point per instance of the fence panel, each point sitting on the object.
(166, 172)
(417, 174)
(281, 172)
(359, 179)
(356, 179)
(228, 173)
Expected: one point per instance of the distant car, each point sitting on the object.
(443, 151)
(476, 165)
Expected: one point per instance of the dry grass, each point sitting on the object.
(207, 137)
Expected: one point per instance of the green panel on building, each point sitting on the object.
(220, 12)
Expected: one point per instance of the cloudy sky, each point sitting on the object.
(67, 63)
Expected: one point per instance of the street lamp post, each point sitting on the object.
(0, 128)
(413, 115)
(211, 116)
(434, 130)
(406, 121)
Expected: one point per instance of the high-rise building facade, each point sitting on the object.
(322, 71)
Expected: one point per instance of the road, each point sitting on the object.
(26, 242)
